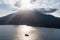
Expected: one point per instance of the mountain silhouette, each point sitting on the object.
(31, 18)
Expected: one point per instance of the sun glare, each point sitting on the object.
(24, 28)
(28, 5)
(25, 4)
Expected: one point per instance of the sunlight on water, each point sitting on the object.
(17, 32)
(24, 29)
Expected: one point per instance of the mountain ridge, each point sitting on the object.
(31, 18)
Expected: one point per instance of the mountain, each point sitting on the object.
(31, 18)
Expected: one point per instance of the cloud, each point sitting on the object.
(46, 10)
(17, 4)
(56, 5)
(9, 5)
(56, 14)
(5, 7)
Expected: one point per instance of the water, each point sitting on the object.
(17, 32)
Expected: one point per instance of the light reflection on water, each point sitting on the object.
(17, 32)
(24, 29)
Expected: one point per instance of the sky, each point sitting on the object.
(10, 6)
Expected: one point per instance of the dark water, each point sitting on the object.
(13, 32)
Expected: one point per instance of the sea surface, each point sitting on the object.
(17, 32)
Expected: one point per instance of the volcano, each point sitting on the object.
(31, 18)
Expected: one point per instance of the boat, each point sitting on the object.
(26, 35)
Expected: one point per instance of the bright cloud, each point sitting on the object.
(24, 4)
